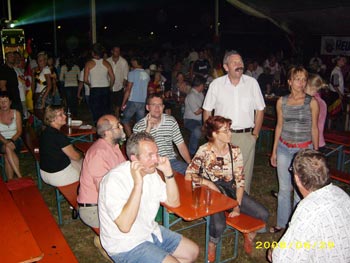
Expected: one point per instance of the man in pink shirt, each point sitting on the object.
(101, 157)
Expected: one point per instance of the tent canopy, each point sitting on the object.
(322, 17)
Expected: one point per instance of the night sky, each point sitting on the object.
(130, 22)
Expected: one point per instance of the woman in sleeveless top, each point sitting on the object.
(10, 136)
(296, 128)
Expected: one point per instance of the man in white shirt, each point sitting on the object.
(319, 230)
(129, 199)
(121, 69)
(238, 97)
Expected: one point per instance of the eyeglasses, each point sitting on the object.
(156, 105)
(227, 131)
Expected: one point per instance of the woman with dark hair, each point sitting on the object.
(296, 128)
(60, 163)
(221, 166)
(10, 136)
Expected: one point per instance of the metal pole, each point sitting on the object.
(54, 29)
(216, 17)
(93, 22)
(9, 9)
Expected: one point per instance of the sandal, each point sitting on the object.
(275, 229)
(274, 193)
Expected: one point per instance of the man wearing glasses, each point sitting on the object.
(166, 131)
(101, 157)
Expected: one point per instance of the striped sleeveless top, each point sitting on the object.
(297, 121)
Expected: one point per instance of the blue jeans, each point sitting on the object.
(195, 127)
(148, 252)
(134, 108)
(178, 166)
(99, 102)
(285, 157)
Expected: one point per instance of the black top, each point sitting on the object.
(52, 158)
(10, 75)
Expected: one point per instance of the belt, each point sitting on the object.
(87, 205)
(243, 130)
(295, 145)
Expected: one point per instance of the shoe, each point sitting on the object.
(97, 243)
(211, 252)
(275, 229)
(274, 193)
(248, 242)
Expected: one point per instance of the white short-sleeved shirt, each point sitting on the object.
(237, 103)
(115, 190)
(40, 87)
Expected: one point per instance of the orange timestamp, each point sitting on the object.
(294, 245)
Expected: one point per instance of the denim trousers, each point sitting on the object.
(178, 166)
(195, 128)
(285, 157)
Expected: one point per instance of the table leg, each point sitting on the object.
(206, 239)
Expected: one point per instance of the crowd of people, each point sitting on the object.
(135, 102)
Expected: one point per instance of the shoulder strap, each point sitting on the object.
(230, 150)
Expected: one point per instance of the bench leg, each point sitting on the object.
(59, 199)
(2, 164)
(37, 168)
(235, 246)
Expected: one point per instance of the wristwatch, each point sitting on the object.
(169, 177)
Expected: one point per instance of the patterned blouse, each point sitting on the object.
(214, 168)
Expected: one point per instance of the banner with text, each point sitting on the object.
(335, 46)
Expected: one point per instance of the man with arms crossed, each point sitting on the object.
(238, 97)
(129, 199)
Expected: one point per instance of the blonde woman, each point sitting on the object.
(297, 115)
(314, 85)
(42, 82)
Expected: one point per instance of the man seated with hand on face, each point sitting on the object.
(129, 199)
(165, 130)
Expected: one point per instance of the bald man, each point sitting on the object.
(101, 157)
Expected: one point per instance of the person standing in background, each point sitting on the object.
(69, 76)
(99, 76)
(238, 97)
(121, 70)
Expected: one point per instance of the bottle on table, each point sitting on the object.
(69, 118)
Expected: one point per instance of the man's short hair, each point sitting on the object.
(50, 113)
(197, 81)
(138, 60)
(103, 125)
(311, 168)
(132, 146)
(228, 54)
(98, 49)
(154, 95)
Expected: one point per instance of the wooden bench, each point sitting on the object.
(69, 193)
(242, 223)
(31, 141)
(340, 176)
(42, 225)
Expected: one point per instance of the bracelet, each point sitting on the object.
(12, 140)
(256, 135)
(169, 177)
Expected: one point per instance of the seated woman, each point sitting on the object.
(10, 135)
(60, 163)
(221, 165)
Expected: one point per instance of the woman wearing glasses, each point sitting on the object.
(60, 163)
(221, 166)
(296, 128)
